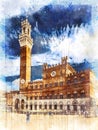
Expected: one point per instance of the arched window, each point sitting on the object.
(46, 97)
(68, 95)
(36, 86)
(55, 96)
(35, 106)
(40, 97)
(46, 85)
(82, 94)
(24, 29)
(82, 77)
(30, 106)
(75, 81)
(55, 106)
(55, 84)
(41, 86)
(35, 97)
(61, 105)
(50, 96)
(50, 106)
(40, 106)
(31, 86)
(75, 103)
(75, 94)
(61, 96)
(45, 106)
(26, 97)
(17, 102)
(68, 107)
(28, 32)
(82, 107)
(50, 85)
(22, 104)
(68, 81)
(61, 83)
(31, 98)
(26, 106)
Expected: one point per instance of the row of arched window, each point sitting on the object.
(53, 107)
(61, 96)
(56, 84)
(75, 80)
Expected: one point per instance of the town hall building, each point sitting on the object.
(61, 90)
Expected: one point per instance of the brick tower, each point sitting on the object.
(26, 44)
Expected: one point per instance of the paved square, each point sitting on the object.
(14, 121)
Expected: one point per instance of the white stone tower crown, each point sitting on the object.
(25, 36)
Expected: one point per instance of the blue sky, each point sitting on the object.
(81, 45)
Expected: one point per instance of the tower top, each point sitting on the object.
(64, 60)
(25, 23)
(25, 36)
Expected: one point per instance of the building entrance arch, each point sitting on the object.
(17, 104)
(22, 104)
(75, 103)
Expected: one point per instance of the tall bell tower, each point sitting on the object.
(26, 43)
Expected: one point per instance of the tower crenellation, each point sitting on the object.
(25, 36)
(64, 60)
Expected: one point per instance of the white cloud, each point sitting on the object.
(8, 86)
(9, 67)
(15, 84)
(82, 44)
(1, 10)
(40, 59)
(10, 8)
(3, 85)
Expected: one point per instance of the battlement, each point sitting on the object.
(76, 75)
(71, 68)
(63, 62)
(25, 35)
(45, 67)
(25, 22)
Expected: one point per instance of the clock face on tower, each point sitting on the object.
(53, 73)
(22, 81)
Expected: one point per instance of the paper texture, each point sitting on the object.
(48, 65)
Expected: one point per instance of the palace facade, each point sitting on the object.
(61, 90)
